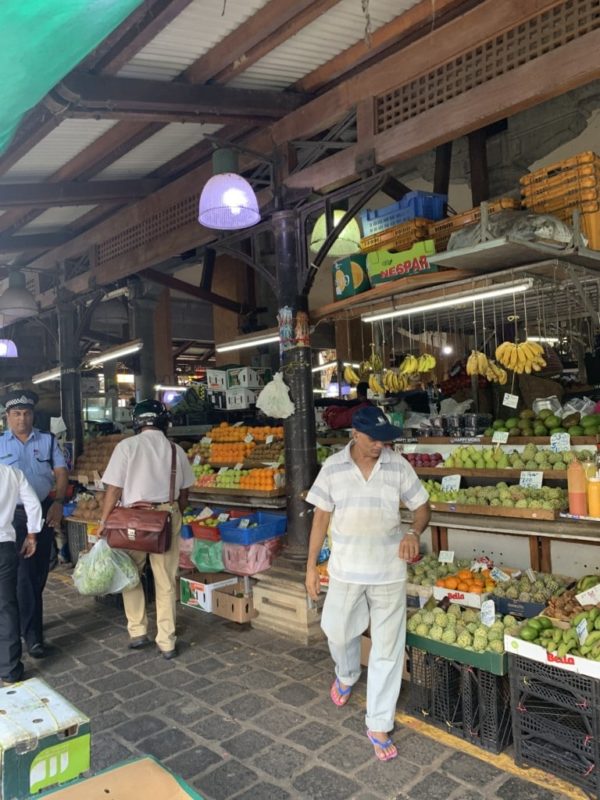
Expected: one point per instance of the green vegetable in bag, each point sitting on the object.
(208, 556)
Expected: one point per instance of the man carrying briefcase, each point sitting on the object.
(138, 472)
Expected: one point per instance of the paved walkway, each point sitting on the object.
(244, 715)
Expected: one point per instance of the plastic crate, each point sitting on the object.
(581, 178)
(249, 559)
(487, 718)
(572, 197)
(533, 751)
(589, 221)
(206, 532)
(413, 204)
(400, 237)
(434, 691)
(77, 538)
(267, 527)
(568, 690)
(542, 174)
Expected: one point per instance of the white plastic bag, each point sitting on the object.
(552, 403)
(104, 571)
(274, 400)
(581, 405)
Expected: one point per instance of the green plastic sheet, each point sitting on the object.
(43, 40)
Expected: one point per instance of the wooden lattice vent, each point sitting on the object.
(499, 55)
(177, 215)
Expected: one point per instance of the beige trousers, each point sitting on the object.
(164, 569)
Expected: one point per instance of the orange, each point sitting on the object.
(465, 574)
(463, 586)
(451, 583)
(441, 582)
(476, 589)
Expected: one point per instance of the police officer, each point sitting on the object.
(40, 458)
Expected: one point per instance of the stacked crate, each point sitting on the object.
(556, 721)
(441, 231)
(401, 224)
(565, 187)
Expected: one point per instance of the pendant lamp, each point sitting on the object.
(8, 349)
(16, 302)
(348, 239)
(227, 201)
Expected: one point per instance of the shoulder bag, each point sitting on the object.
(142, 527)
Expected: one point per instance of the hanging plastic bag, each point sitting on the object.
(274, 399)
(208, 556)
(104, 571)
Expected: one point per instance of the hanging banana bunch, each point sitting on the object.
(526, 357)
(477, 363)
(393, 382)
(496, 374)
(409, 366)
(374, 384)
(375, 360)
(350, 376)
(426, 362)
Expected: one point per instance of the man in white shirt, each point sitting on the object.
(139, 471)
(358, 492)
(14, 490)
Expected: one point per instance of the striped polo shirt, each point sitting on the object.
(365, 526)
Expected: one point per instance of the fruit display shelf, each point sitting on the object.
(234, 492)
(514, 440)
(496, 511)
(496, 474)
(496, 663)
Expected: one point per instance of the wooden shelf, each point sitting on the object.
(500, 474)
(496, 511)
(486, 440)
(198, 491)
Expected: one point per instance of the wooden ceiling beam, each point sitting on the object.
(194, 291)
(34, 241)
(109, 96)
(264, 29)
(74, 193)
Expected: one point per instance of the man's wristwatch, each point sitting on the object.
(412, 532)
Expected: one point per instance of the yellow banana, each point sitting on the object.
(482, 363)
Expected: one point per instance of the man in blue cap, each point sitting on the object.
(41, 460)
(357, 496)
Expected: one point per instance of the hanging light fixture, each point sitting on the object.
(8, 349)
(227, 201)
(348, 239)
(17, 302)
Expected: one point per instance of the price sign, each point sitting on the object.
(582, 631)
(590, 597)
(223, 469)
(500, 437)
(205, 513)
(239, 466)
(205, 440)
(408, 448)
(196, 460)
(248, 438)
(269, 439)
(530, 574)
(531, 480)
(510, 400)
(560, 442)
(237, 424)
(498, 575)
(244, 523)
(465, 440)
(446, 557)
(488, 613)
(223, 517)
(450, 483)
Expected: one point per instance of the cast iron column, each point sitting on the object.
(300, 433)
(142, 305)
(70, 383)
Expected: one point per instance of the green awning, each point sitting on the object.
(40, 42)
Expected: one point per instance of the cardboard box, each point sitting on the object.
(230, 602)
(218, 399)
(384, 265)
(216, 380)
(240, 397)
(469, 599)
(197, 590)
(350, 276)
(365, 650)
(417, 595)
(582, 666)
(44, 740)
(144, 777)
(247, 377)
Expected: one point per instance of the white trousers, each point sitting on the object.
(348, 609)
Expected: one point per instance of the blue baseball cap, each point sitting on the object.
(374, 423)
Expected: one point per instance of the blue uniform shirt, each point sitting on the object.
(37, 458)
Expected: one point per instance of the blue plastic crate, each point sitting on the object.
(268, 526)
(414, 204)
(186, 532)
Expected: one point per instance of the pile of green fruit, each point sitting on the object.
(524, 590)
(462, 628)
(545, 423)
(429, 569)
(503, 495)
(563, 642)
(531, 457)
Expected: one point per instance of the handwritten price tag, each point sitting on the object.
(488, 613)
(531, 480)
(269, 439)
(205, 440)
(450, 483)
(530, 574)
(500, 437)
(248, 438)
(560, 442)
(240, 465)
(223, 469)
(498, 575)
(408, 448)
(582, 631)
(196, 461)
(244, 523)
(237, 424)
(510, 400)
(446, 557)
(590, 597)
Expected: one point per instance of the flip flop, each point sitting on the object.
(344, 694)
(379, 754)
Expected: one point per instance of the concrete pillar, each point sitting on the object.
(142, 305)
(70, 383)
(163, 339)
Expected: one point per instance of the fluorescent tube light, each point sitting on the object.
(125, 378)
(456, 300)
(161, 387)
(49, 375)
(116, 352)
(544, 339)
(351, 364)
(322, 367)
(253, 340)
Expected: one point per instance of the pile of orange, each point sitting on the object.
(467, 581)
(230, 433)
(260, 480)
(233, 453)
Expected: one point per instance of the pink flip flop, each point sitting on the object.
(344, 694)
(379, 754)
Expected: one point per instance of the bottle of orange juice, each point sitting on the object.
(577, 486)
(593, 497)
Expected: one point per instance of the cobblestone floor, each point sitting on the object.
(244, 715)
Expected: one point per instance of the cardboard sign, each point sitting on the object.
(531, 480)
(590, 597)
(499, 576)
(488, 613)
(248, 438)
(446, 557)
(205, 440)
(196, 460)
(500, 437)
(269, 439)
(244, 523)
(510, 400)
(560, 442)
(582, 631)
(451, 483)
